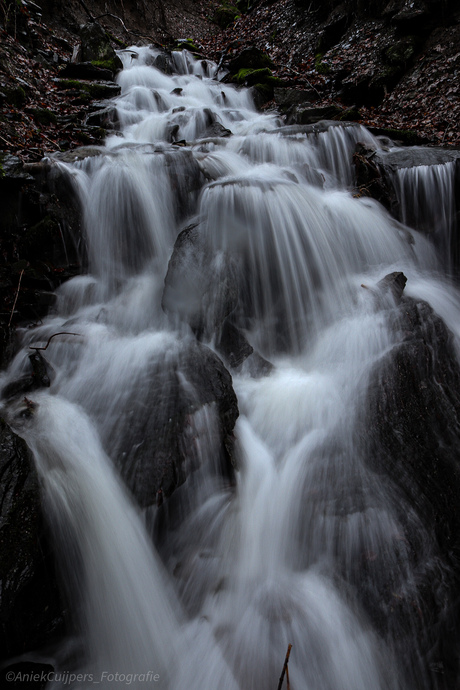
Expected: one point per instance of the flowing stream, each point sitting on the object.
(246, 569)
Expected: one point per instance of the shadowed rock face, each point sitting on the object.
(412, 422)
(413, 417)
(30, 608)
(181, 418)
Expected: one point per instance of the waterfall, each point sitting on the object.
(426, 196)
(301, 541)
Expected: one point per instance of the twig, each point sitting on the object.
(16, 298)
(31, 347)
(6, 142)
(285, 669)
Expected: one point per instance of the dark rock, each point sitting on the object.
(250, 58)
(30, 608)
(95, 44)
(393, 284)
(200, 286)
(285, 98)
(183, 416)
(225, 15)
(305, 116)
(39, 375)
(413, 419)
(86, 70)
(232, 345)
(216, 129)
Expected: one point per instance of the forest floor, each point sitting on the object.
(37, 116)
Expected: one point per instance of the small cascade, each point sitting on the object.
(203, 217)
(114, 579)
(426, 198)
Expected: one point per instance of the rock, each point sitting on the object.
(304, 116)
(200, 286)
(286, 98)
(181, 418)
(216, 129)
(413, 419)
(30, 608)
(250, 58)
(95, 44)
(393, 284)
(39, 376)
(86, 70)
(225, 15)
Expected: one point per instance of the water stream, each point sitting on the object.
(279, 558)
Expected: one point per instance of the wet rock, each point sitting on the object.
(393, 284)
(200, 285)
(30, 608)
(413, 418)
(216, 129)
(182, 418)
(300, 115)
(39, 375)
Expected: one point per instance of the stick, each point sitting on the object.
(31, 347)
(285, 668)
(16, 298)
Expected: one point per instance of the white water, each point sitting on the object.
(246, 571)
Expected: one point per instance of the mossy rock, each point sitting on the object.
(114, 64)
(407, 137)
(93, 89)
(252, 76)
(225, 15)
(250, 58)
(402, 52)
(262, 93)
(15, 95)
(320, 66)
(95, 43)
(44, 117)
(189, 45)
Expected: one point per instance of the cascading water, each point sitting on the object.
(311, 539)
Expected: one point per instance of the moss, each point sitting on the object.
(188, 44)
(264, 92)
(225, 15)
(93, 89)
(15, 95)
(117, 41)
(250, 76)
(44, 117)
(113, 64)
(320, 66)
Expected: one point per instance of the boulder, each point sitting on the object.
(200, 284)
(179, 420)
(413, 418)
(95, 44)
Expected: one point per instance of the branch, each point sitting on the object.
(16, 298)
(31, 347)
(285, 668)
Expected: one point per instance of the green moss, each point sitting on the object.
(116, 40)
(44, 117)
(188, 44)
(92, 89)
(15, 95)
(250, 76)
(113, 64)
(264, 91)
(225, 15)
(320, 66)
